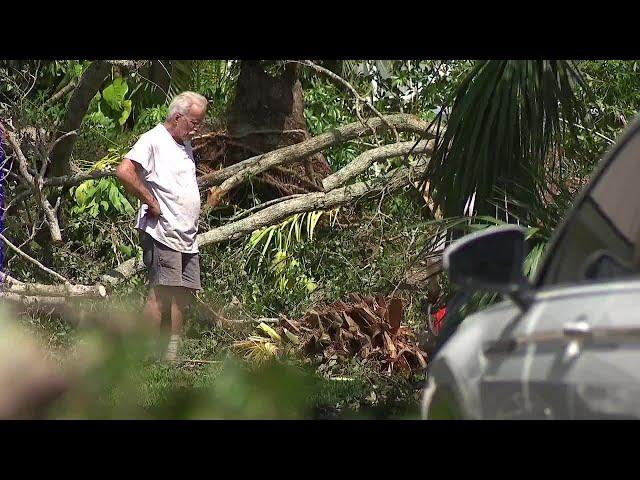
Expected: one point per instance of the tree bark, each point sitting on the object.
(88, 86)
(266, 106)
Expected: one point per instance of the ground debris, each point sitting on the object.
(362, 326)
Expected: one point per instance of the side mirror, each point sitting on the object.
(491, 260)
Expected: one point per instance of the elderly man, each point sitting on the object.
(161, 172)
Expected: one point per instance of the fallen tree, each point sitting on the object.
(37, 294)
(336, 193)
(388, 183)
(63, 290)
(238, 172)
(234, 175)
(32, 300)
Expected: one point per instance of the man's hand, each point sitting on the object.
(153, 209)
(127, 173)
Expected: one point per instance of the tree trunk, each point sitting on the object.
(88, 86)
(267, 113)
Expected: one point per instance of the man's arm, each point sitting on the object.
(127, 173)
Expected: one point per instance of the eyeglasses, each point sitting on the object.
(194, 125)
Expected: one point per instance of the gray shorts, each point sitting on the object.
(168, 267)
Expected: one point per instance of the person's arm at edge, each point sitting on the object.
(127, 173)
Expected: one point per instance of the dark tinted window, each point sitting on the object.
(600, 239)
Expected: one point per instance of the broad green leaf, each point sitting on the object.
(126, 250)
(114, 94)
(83, 192)
(126, 105)
(128, 209)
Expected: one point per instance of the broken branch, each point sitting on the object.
(363, 161)
(71, 180)
(292, 153)
(32, 260)
(60, 93)
(35, 183)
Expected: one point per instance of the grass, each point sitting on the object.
(127, 383)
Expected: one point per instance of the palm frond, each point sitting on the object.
(183, 73)
(542, 205)
(349, 69)
(257, 349)
(507, 120)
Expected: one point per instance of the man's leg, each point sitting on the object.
(153, 309)
(157, 313)
(167, 301)
(157, 308)
(179, 302)
(180, 298)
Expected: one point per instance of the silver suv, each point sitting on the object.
(567, 345)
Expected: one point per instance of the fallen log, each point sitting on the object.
(233, 175)
(32, 301)
(62, 290)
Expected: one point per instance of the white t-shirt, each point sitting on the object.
(170, 174)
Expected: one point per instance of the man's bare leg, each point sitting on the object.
(157, 311)
(153, 309)
(180, 299)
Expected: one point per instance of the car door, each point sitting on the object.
(588, 283)
(505, 363)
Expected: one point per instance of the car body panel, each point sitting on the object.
(545, 380)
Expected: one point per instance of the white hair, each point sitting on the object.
(182, 103)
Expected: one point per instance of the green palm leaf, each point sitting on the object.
(183, 74)
(507, 119)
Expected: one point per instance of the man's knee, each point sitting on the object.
(182, 296)
(159, 297)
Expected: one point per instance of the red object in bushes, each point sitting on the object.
(439, 315)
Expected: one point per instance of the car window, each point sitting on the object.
(600, 239)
